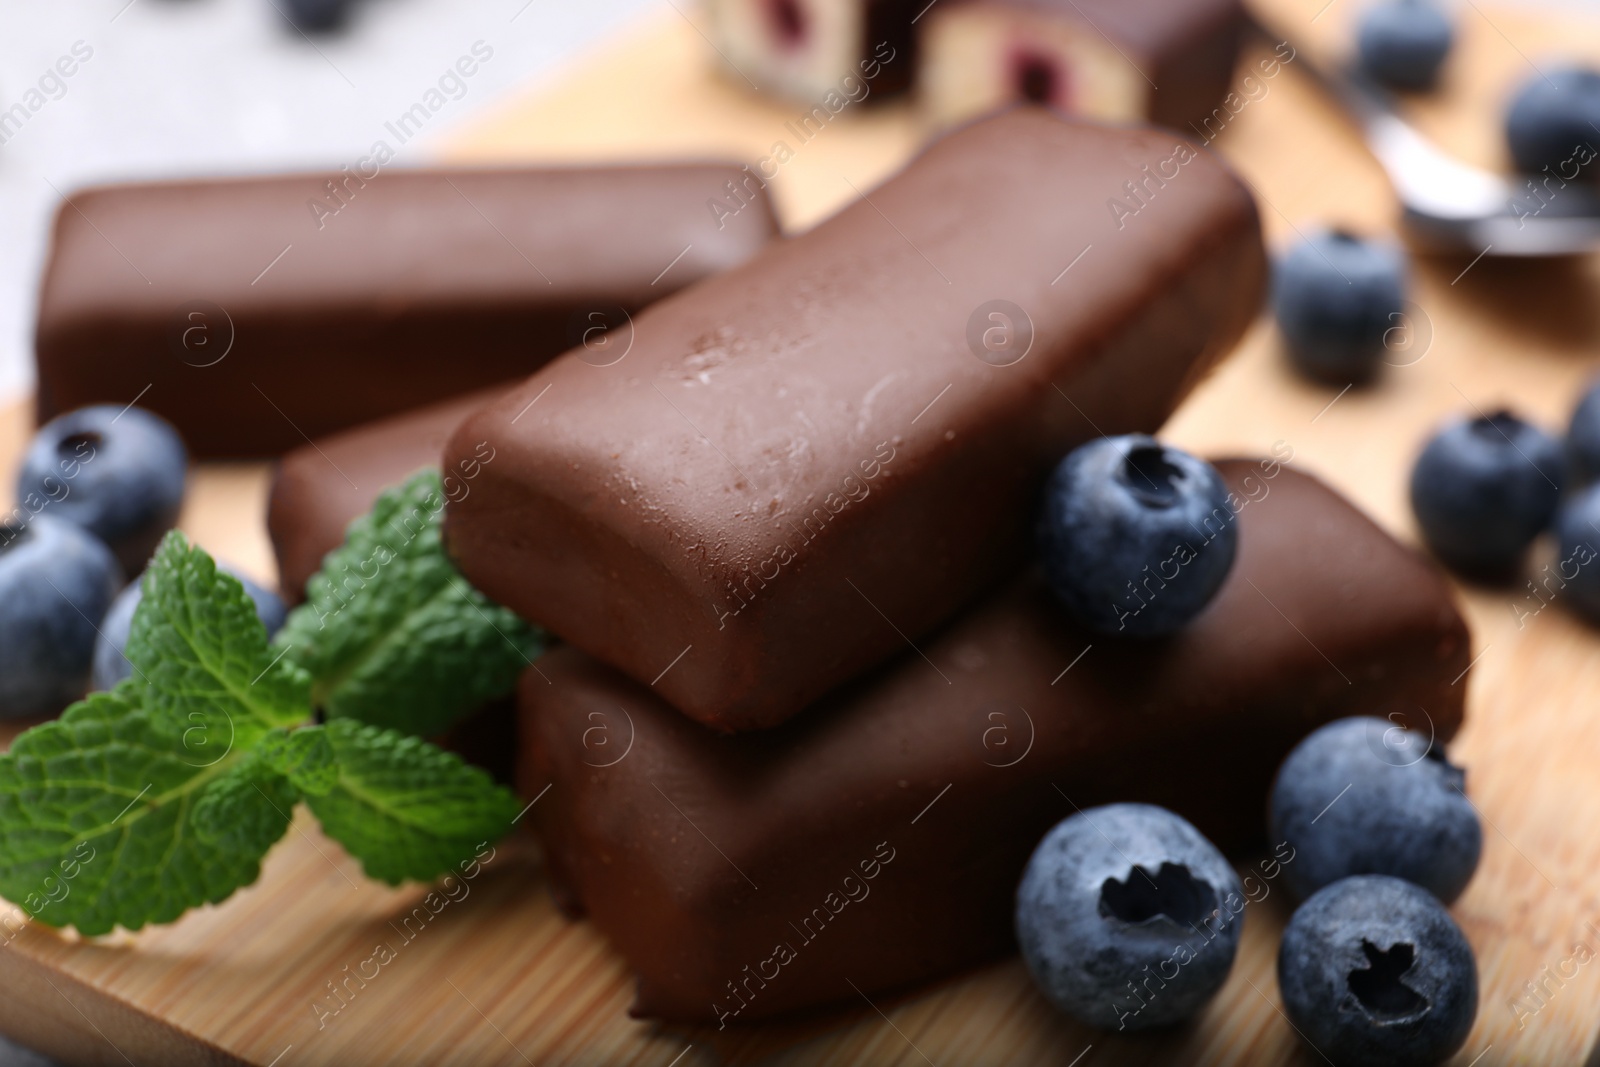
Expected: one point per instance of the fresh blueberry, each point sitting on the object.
(1583, 438)
(315, 16)
(111, 666)
(1374, 971)
(1484, 488)
(1366, 796)
(1577, 567)
(117, 472)
(1403, 43)
(1552, 119)
(1128, 918)
(56, 582)
(1136, 536)
(1336, 298)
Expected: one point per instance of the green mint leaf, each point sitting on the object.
(97, 818)
(305, 756)
(201, 654)
(245, 809)
(392, 634)
(407, 809)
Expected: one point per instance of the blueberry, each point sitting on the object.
(117, 472)
(1402, 44)
(1577, 569)
(1483, 489)
(1551, 121)
(1583, 438)
(315, 16)
(1128, 918)
(1136, 536)
(1336, 297)
(1374, 971)
(1365, 796)
(56, 582)
(111, 666)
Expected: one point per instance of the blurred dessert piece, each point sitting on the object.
(1163, 61)
(257, 313)
(319, 488)
(823, 52)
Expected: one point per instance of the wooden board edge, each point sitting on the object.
(67, 1020)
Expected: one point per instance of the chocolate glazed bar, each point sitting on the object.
(807, 460)
(1165, 61)
(256, 313)
(319, 488)
(877, 840)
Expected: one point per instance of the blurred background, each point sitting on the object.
(201, 87)
(204, 87)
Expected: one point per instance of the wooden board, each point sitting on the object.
(499, 978)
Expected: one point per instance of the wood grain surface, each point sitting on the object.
(498, 977)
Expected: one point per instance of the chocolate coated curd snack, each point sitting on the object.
(262, 312)
(831, 53)
(1165, 61)
(809, 460)
(319, 488)
(877, 840)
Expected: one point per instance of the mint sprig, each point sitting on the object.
(164, 794)
(391, 633)
(405, 808)
(97, 819)
(202, 653)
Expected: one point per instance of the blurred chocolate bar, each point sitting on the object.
(256, 314)
(876, 840)
(1163, 61)
(318, 488)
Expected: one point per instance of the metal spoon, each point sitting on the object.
(1449, 206)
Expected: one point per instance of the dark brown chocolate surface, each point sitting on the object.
(890, 23)
(318, 488)
(259, 316)
(486, 737)
(803, 462)
(877, 840)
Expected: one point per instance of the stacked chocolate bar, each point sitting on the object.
(814, 709)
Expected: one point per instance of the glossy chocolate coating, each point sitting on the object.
(317, 489)
(258, 323)
(804, 461)
(698, 854)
